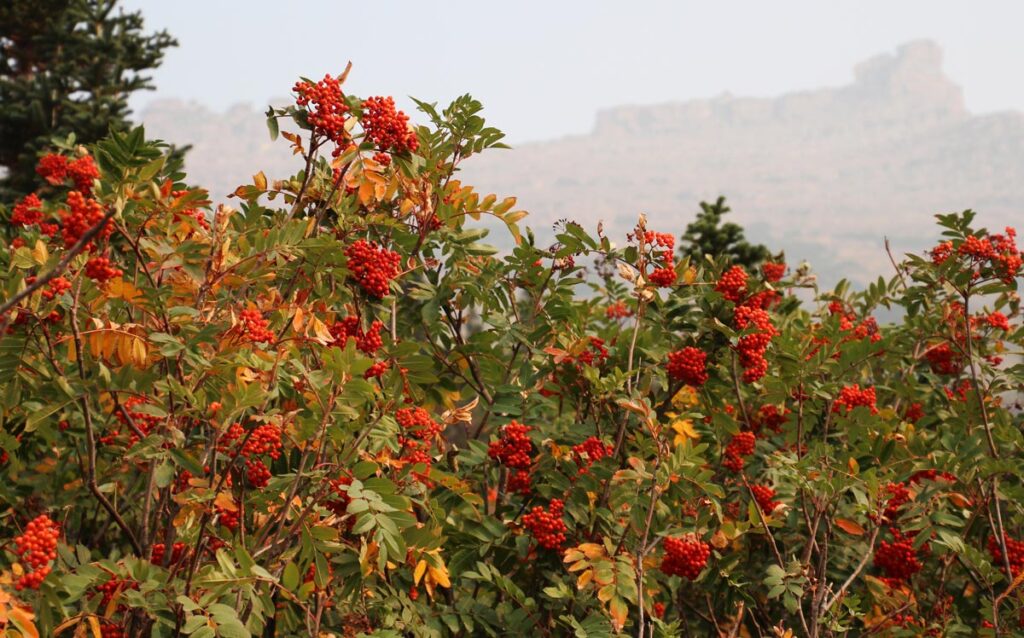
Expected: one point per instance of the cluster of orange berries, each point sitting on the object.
(338, 504)
(769, 417)
(773, 271)
(998, 253)
(665, 274)
(254, 327)
(372, 266)
(55, 288)
(513, 448)
(112, 588)
(897, 496)
(387, 127)
(1014, 554)
(328, 110)
(589, 452)
(28, 211)
(943, 359)
(55, 169)
(733, 284)
(595, 355)
(686, 556)
(765, 498)
(230, 519)
(897, 558)
(618, 310)
(688, 365)
(752, 346)
(126, 414)
(100, 269)
(547, 526)
(82, 214)
(36, 547)
(421, 432)
(159, 551)
(853, 396)
(348, 328)
(741, 445)
(998, 321)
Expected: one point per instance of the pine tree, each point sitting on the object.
(66, 66)
(707, 235)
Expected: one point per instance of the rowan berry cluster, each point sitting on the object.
(83, 172)
(897, 496)
(254, 328)
(28, 211)
(100, 269)
(112, 588)
(998, 321)
(769, 417)
(55, 288)
(773, 271)
(377, 369)
(417, 422)
(943, 359)
(1014, 554)
(159, 552)
(897, 558)
(752, 346)
(327, 109)
(686, 556)
(513, 449)
(190, 213)
(764, 496)
(36, 547)
(931, 475)
(127, 416)
(688, 365)
(82, 214)
(387, 127)
(257, 474)
(852, 396)
(519, 482)
(53, 168)
(741, 445)
(589, 452)
(547, 526)
(229, 518)
(595, 354)
(664, 275)
(733, 284)
(338, 504)
(349, 328)
(997, 253)
(618, 310)
(372, 267)
(914, 412)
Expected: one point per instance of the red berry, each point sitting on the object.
(686, 556)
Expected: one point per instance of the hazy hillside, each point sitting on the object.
(824, 174)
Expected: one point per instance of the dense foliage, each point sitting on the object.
(333, 411)
(66, 66)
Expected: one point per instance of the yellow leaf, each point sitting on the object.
(619, 611)
(421, 568)
(584, 579)
(686, 397)
(606, 593)
(439, 576)
(24, 620)
(39, 252)
(684, 431)
(260, 181)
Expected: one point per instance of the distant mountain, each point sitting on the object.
(823, 174)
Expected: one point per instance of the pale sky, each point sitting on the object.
(543, 68)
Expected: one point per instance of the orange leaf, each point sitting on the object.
(849, 527)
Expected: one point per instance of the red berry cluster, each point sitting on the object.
(28, 211)
(943, 359)
(764, 496)
(387, 127)
(997, 253)
(514, 447)
(618, 310)
(595, 355)
(55, 288)
(1014, 553)
(83, 172)
(372, 266)
(769, 417)
(254, 327)
(853, 396)
(589, 452)
(686, 556)
(773, 271)
(228, 518)
(931, 475)
(257, 473)
(328, 110)
(739, 446)
(377, 369)
(519, 482)
(100, 269)
(189, 213)
(112, 588)
(417, 422)
(752, 346)
(126, 415)
(665, 274)
(36, 547)
(547, 526)
(914, 412)
(733, 284)
(82, 214)
(159, 553)
(688, 365)
(898, 496)
(265, 439)
(53, 168)
(898, 558)
(349, 328)
(338, 504)
(998, 320)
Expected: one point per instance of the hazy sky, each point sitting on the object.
(542, 68)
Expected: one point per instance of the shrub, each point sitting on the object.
(332, 410)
